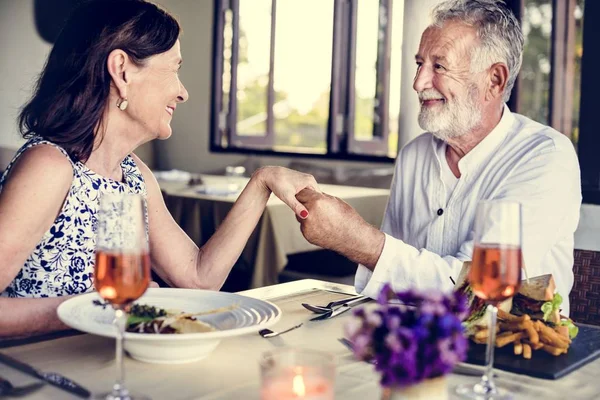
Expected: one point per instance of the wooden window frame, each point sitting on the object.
(340, 138)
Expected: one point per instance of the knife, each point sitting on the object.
(340, 310)
(52, 378)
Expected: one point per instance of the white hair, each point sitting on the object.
(498, 30)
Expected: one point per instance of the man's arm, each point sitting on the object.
(335, 225)
(546, 184)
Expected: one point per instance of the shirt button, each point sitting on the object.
(440, 211)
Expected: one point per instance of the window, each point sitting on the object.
(558, 85)
(588, 140)
(311, 77)
(553, 31)
(535, 71)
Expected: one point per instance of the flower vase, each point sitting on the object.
(430, 389)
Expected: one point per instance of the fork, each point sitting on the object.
(333, 312)
(329, 307)
(8, 389)
(267, 333)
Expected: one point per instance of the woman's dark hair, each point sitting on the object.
(71, 93)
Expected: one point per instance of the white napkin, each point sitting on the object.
(219, 189)
(173, 175)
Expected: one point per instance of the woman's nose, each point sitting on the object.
(183, 94)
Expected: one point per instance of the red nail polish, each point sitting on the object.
(304, 213)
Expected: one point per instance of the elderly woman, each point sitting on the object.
(110, 84)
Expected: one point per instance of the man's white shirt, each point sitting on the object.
(429, 231)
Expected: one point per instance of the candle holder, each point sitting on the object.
(293, 374)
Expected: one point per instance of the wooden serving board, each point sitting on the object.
(585, 348)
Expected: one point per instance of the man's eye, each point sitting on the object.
(419, 64)
(439, 67)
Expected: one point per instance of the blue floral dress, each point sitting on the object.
(62, 263)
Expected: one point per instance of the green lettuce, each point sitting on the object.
(549, 307)
(573, 329)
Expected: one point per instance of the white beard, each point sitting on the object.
(450, 119)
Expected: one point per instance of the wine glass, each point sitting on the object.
(495, 276)
(122, 272)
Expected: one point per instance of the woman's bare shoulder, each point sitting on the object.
(42, 166)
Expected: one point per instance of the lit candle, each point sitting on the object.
(294, 374)
(300, 386)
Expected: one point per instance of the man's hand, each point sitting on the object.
(333, 224)
(285, 184)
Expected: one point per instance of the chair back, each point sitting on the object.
(585, 295)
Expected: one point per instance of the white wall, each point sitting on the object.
(23, 56)
(24, 53)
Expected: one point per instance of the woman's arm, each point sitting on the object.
(30, 201)
(177, 259)
(28, 317)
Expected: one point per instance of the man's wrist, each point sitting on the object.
(373, 248)
(366, 246)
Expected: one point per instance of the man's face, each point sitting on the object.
(449, 93)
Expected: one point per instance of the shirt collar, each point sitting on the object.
(483, 148)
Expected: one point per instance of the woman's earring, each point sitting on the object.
(122, 104)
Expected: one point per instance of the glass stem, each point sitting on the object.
(119, 391)
(487, 381)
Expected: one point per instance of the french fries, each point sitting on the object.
(551, 337)
(518, 348)
(504, 340)
(526, 351)
(525, 335)
(503, 315)
(555, 351)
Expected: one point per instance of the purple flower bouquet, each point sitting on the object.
(417, 337)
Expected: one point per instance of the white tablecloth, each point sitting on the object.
(277, 234)
(231, 372)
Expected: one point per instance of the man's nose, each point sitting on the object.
(423, 79)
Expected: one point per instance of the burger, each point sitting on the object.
(536, 297)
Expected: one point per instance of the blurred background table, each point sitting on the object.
(277, 234)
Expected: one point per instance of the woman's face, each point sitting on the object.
(156, 91)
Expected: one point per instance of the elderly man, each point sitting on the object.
(474, 149)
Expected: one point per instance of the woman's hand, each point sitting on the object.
(285, 184)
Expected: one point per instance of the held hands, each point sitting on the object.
(333, 224)
(285, 184)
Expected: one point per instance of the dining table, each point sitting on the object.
(200, 208)
(231, 371)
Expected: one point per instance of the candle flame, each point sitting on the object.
(108, 292)
(298, 386)
(508, 291)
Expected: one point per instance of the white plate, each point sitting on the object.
(249, 316)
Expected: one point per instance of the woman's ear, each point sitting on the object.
(498, 78)
(119, 66)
